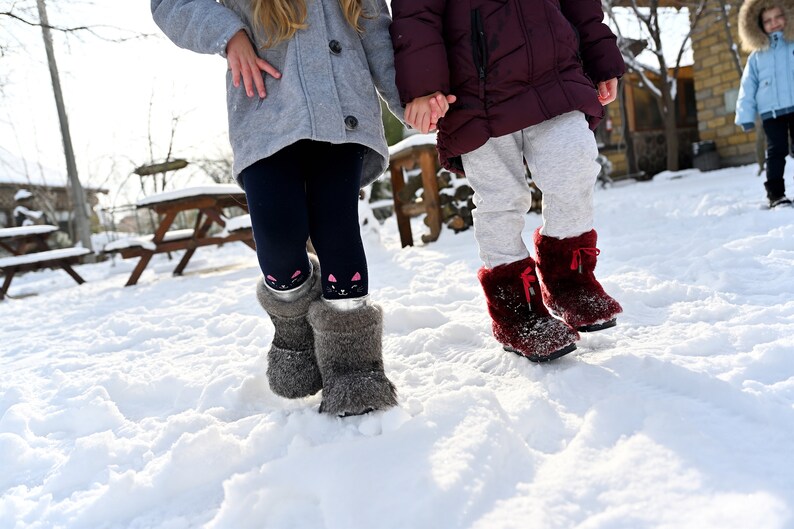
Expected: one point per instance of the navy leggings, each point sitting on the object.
(309, 189)
(779, 133)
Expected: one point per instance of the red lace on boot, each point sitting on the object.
(528, 277)
(576, 262)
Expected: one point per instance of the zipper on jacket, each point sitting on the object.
(479, 48)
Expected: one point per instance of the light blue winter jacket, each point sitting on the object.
(767, 86)
(329, 74)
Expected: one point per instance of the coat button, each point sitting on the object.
(336, 48)
(351, 122)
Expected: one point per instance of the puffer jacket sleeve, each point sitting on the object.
(380, 57)
(203, 26)
(746, 106)
(420, 56)
(601, 57)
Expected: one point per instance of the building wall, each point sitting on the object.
(650, 149)
(717, 83)
(57, 196)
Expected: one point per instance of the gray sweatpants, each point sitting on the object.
(561, 156)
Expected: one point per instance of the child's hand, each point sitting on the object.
(424, 112)
(243, 61)
(439, 105)
(607, 91)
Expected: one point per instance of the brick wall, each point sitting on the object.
(716, 84)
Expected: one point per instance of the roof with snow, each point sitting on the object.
(16, 170)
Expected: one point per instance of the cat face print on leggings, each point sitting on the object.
(339, 288)
(294, 281)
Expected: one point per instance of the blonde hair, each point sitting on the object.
(281, 19)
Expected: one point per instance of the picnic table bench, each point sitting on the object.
(18, 241)
(209, 203)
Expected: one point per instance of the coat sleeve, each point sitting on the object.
(203, 26)
(601, 57)
(380, 57)
(746, 106)
(420, 56)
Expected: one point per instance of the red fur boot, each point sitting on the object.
(521, 323)
(568, 283)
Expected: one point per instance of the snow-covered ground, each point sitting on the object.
(147, 407)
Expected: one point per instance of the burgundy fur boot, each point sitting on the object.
(521, 323)
(568, 283)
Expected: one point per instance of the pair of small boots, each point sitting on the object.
(519, 302)
(317, 346)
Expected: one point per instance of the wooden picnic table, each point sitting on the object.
(209, 203)
(29, 251)
(22, 239)
(416, 152)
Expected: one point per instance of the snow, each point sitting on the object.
(48, 255)
(145, 241)
(240, 222)
(16, 170)
(31, 215)
(148, 407)
(168, 196)
(22, 194)
(414, 140)
(21, 231)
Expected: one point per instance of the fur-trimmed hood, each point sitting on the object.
(751, 34)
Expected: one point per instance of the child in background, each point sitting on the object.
(767, 87)
(306, 132)
(523, 74)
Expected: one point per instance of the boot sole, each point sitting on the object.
(598, 326)
(534, 358)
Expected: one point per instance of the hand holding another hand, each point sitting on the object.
(424, 112)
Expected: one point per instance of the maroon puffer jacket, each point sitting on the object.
(511, 63)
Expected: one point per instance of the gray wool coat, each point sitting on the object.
(330, 77)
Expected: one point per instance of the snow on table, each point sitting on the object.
(145, 241)
(414, 140)
(168, 196)
(21, 231)
(240, 222)
(38, 257)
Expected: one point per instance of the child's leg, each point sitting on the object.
(561, 155)
(777, 148)
(332, 187)
(778, 133)
(496, 173)
(520, 321)
(275, 189)
(348, 331)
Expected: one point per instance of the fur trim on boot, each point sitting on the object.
(568, 283)
(521, 323)
(291, 365)
(349, 353)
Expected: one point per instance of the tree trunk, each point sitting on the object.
(667, 107)
(82, 226)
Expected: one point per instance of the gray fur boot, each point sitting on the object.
(291, 365)
(349, 352)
